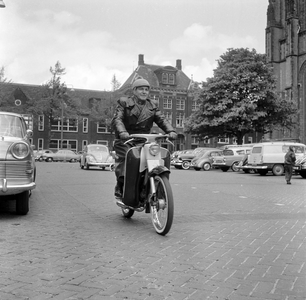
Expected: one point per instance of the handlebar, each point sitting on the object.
(148, 137)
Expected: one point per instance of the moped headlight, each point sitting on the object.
(154, 149)
(20, 150)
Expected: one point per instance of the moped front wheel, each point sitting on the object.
(162, 212)
(127, 212)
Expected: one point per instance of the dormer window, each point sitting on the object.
(165, 78)
(171, 79)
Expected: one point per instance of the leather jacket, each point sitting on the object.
(128, 119)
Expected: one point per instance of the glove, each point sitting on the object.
(172, 135)
(124, 135)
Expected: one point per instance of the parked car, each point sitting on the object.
(300, 166)
(231, 158)
(62, 155)
(269, 156)
(17, 163)
(205, 160)
(97, 155)
(39, 154)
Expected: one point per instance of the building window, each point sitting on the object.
(171, 79)
(67, 144)
(180, 103)
(180, 120)
(194, 140)
(69, 125)
(167, 102)
(40, 144)
(102, 142)
(85, 125)
(156, 98)
(195, 105)
(41, 123)
(84, 144)
(250, 140)
(168, 116)
(102, 128)
(29, 121)
(223, 140)
(165, 78)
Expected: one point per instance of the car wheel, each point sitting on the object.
(186, 165)
(49, 159)
(40, 159)
(22, 203)
(72, 160)
(278, 170)
(86, 166)
(262, 172)
(206, 166)
(224, 169)
(235, 166)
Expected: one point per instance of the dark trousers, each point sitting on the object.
(288, 172)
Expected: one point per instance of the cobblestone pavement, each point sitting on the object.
(235, 236)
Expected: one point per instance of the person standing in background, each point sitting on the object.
(289, 163)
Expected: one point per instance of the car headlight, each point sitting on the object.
(20, 150)
(154, 149)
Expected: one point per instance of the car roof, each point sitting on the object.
(9, 113)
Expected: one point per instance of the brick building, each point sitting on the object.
(74, 134)
(286, 51)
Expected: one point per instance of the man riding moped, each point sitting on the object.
(135, 115)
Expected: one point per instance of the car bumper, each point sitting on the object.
(11, 188)
(98, 164)
(254, 167)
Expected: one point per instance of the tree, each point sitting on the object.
(115, 83)
(240, 98)
(3, 94)
(54, 102)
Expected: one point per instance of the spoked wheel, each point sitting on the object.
(162, 214)
(127, 212)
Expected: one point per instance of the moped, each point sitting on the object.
(146, 181)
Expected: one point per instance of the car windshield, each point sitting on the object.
(10, 126)
(97, 149)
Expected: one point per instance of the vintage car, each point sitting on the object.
(205, 160)
(231, 158)
(62, 155)
(183, 159)
(39, 154)
(97, 155)
(17, 163)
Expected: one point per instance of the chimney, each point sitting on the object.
(140, 60)
(179, 64)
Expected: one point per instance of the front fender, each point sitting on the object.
(159, 170)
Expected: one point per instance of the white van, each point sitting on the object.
(269, 156)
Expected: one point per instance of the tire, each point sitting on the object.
(303, 173)
(206, 166)
(49, 159)
(40, 159)
(162, 213)
(72, 160)
(186, 165)
(127, 212)
(278, 170)
(235, 166)
(224, 169)
(22, 203)
(262, 172)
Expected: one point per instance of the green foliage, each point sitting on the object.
(241, 98)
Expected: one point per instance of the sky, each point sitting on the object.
(97, 39)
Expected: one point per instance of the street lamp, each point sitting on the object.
(2, 5)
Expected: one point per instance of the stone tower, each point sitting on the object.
(286, 51)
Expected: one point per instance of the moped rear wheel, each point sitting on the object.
(162, 213)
